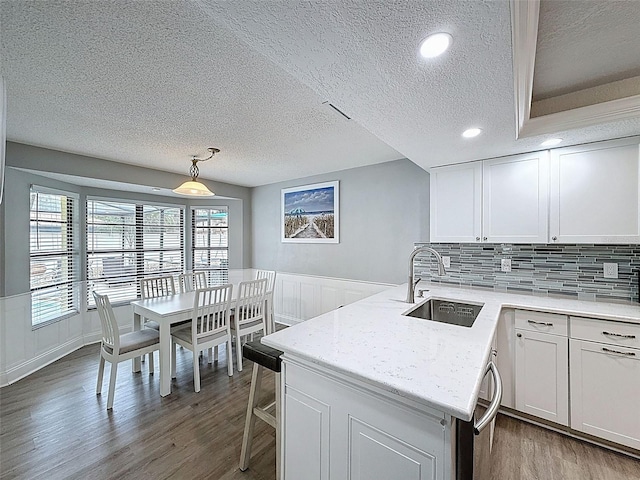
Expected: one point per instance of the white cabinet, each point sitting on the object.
(542, 367)
(595, 193)
(456, 203)
(337, 430)
(499, 200)
(515, 195)
(605, 380)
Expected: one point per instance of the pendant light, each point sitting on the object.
(193, 187)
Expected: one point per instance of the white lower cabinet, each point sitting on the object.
(335, 430)
(542, 375)
(542, 365)
(589, 364)
(605, 391)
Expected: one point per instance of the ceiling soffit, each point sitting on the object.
(586, 107)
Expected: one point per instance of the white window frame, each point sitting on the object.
(215, 275)
(138, 251)
(71, 252)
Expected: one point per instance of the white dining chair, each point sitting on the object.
(270, 275)
(249, 315)
(210, 327)
(154, 287)
(192, 281)
(116, 347)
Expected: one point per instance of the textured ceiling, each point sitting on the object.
(151, 83)
(583, 44)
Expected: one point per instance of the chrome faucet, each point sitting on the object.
(413, 284)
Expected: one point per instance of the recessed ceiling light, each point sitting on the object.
(471, 132)
(435, 45)
(551, 142)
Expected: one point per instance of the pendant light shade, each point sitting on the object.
(193, 187)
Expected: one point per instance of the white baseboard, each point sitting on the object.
(32, 365)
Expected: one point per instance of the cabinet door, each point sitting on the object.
(605, 388)
(595, 193)
(542, 375)
(516, 198)
(456, 202)
(306, 436)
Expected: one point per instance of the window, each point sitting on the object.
(210, 243)
(127, 241)
(53, 246)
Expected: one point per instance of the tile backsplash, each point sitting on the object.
(575, 271)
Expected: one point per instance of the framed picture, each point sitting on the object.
(310, 213)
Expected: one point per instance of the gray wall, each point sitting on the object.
(14, 210)
(384, 210)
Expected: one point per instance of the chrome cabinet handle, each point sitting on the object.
(492, 409)
(484, 238)
(618, 335)
(554, 238)
(545, 324)
(477, 239)
(629, 354)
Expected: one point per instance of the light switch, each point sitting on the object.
(505, 265)
(446, 261)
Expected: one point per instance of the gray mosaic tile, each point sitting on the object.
(558, 270)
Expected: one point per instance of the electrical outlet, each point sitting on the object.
(610, 270)
(505, 265)
(446, 261)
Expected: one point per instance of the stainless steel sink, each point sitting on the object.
(446, 311)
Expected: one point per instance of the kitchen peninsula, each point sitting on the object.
(372, 393)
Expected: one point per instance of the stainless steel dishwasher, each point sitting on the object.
(474, 438)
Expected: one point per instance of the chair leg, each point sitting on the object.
(215, 353)
(112, 384)
(250, 420)
(174, 353)
(278, 427)
(151, 367)
(239, 352)
(196, 372)
(229, 358)
(210, 354)
(100, 375)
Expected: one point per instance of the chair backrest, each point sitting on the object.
(211, 310)
(250, 303)
(157, 287)
(192, 281)
(110, 331)
(270, 275)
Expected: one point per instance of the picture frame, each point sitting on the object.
(310, 213)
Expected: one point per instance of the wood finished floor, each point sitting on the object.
(53, 426)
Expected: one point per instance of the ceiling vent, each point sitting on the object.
(337, 110)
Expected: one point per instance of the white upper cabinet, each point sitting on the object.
(456, 203)
(595, 193)
(500, 200)
(515, 196)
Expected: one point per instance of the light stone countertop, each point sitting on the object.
(435, 364)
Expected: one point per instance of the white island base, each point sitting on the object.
(336, 427)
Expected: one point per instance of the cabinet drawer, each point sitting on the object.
(604, 331)
(553, 323)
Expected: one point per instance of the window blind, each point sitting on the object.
(210, 243)
(53, 247)
(127, 241)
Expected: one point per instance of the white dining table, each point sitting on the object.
(167, 311)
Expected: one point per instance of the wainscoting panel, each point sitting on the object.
(24, 350)
(300, 297)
